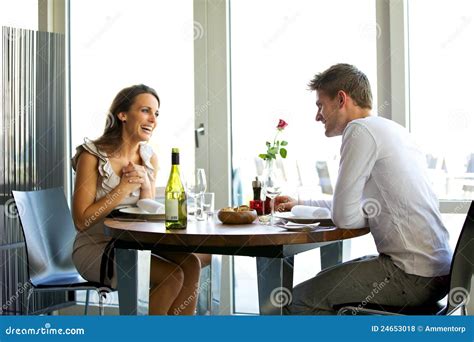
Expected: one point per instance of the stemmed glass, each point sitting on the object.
(272, 183)
(195, 186)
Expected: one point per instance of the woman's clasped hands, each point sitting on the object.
(135, 177)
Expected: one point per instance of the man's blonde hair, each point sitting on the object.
(344, 77)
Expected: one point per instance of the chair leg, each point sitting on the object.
(30, 292)
(87, 302)
(102, 295)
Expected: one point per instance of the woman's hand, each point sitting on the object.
(134, 172)
(284, 203)
(132, 178)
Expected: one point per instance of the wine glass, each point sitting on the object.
(195, 186)
(272, 183)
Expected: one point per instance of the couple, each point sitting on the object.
(379, 164)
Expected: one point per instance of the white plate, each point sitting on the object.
(299, 227)
(138, 211)
(299, 219)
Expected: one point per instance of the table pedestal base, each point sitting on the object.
(133, 279)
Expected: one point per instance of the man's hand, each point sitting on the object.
(284, 203)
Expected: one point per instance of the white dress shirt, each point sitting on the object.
(383, 183)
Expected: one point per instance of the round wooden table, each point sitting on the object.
(273, 247)
(211, 234)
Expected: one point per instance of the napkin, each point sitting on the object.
(150, 206)
(311, 212)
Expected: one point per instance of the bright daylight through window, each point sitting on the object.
(271, 66)
(109, 52)
(442, 117)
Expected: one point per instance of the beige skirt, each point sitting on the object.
(87, 255)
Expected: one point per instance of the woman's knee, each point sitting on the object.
(178, 275)
(205, 259)
(191, 263)
(166, 272)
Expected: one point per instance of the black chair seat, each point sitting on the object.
(74, 286)
(428, 309)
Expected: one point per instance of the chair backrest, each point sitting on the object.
(462, 266)
(431, 161)
(49, 234)
(324, 178)
(470, 163)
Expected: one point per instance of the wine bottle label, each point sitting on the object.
(171, 210)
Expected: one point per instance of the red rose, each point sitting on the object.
(281, 124)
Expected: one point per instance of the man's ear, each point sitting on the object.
(342, 98)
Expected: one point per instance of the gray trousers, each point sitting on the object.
(370, 279)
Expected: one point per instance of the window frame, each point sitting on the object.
(393, 87)
(213, 101)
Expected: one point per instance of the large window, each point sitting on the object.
(441, 72)
(118, 43)
(276, 48)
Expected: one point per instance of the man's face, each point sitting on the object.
(329, 113)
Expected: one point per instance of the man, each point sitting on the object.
(382, 183)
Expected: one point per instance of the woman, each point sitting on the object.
(120, 168)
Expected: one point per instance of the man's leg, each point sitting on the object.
(373, 279)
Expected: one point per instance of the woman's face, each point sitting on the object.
(141, 117)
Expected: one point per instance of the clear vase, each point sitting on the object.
(271, 185)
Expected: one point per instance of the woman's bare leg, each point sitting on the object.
(185, 302)
(204, 258)
(166, 280)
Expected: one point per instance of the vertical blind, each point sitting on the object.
(32, 142)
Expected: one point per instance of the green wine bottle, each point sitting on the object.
(176, 210)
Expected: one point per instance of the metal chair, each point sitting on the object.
(461, 273)
(49, 235)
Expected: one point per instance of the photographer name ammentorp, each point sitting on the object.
(429, 328)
